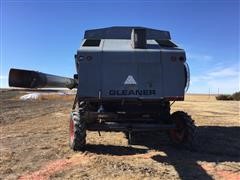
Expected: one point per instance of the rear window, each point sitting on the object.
(166, 43)
(92, 42)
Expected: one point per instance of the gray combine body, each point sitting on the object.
(110, 67)
(126, 78)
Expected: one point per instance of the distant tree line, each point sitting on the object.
(235, 96)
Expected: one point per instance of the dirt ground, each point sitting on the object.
(34, 144)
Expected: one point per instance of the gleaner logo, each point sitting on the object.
(132, 92)
(130, 80)
(139, 92)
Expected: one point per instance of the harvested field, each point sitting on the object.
(34, 144)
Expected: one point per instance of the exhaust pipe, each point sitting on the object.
(33, 79)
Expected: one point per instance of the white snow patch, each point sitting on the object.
(37, 96)
(31, 96)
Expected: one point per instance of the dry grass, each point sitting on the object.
(208, 111)
(200, 97)
(57, 96)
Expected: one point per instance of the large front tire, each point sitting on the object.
(183, 134)
(77, 131)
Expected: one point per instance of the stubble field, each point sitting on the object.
(34, 144)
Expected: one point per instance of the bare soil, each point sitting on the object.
(34, 144)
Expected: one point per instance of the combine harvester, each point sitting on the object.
(126, 78)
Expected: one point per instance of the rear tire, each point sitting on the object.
(183, 134)
(77, 131)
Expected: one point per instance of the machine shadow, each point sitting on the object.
(212, 144)
(114, 150)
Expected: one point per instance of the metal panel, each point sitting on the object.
(117, 66)
(143, 67)
(89, 74)
(150, 72)
(121, 32)
(173, 73)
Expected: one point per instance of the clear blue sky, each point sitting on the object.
(44, 35)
